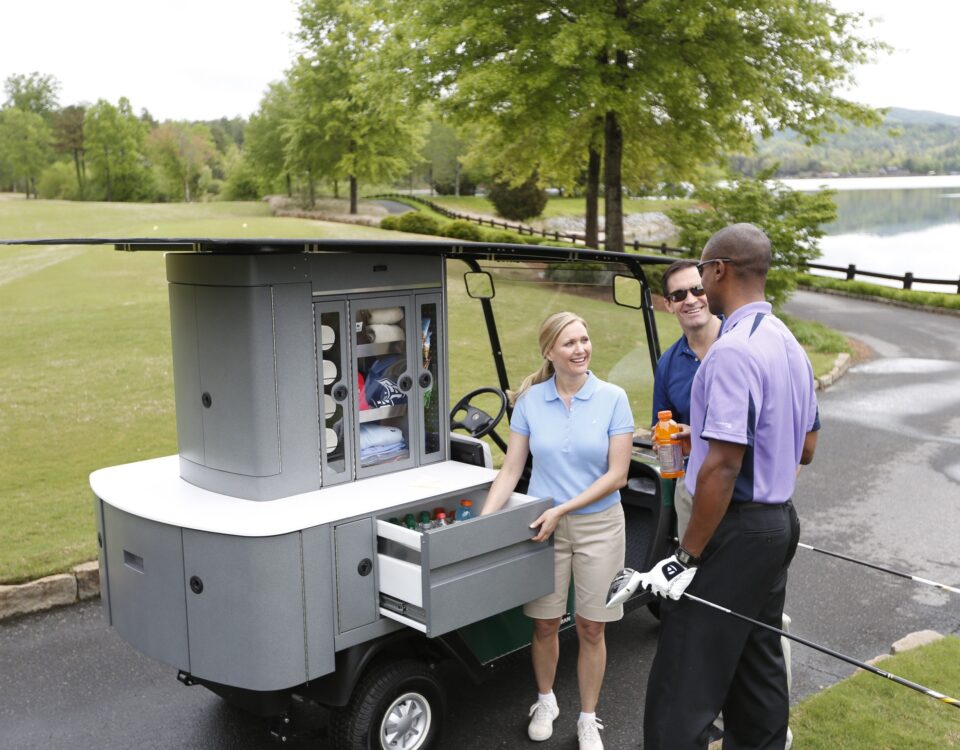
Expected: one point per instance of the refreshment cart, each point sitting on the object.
(269, 558)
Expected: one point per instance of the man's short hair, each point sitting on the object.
(677, 265)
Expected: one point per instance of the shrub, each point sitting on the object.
(579, 272)
(463, 230)
(58, 181)
(518, 203)
(502, 235)
(388, 222)
(418, 223)
(449, 187)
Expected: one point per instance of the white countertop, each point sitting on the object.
(154, 490)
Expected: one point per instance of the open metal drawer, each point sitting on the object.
(442, 579)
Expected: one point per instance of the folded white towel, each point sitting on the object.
(386, 315)
(381, 333)
(377, 435)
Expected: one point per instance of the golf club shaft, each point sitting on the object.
(830, 652)
(918, 579)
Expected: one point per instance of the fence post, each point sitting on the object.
(851, 272)
(556, 236)
(907, 280)
(663, 248)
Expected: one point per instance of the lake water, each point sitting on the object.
(893, 225)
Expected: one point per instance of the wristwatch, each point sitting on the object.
(685, 558)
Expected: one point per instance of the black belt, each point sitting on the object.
(741, 506)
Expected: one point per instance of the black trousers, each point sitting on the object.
(707, 660)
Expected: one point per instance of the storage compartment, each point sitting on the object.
(444, 578)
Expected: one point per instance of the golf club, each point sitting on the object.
(918, 579)
(830, 652)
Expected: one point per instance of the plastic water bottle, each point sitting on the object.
(425, 522)
(410, 521)
(669, 451)
(465, 511)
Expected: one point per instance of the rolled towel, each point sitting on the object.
(330, 438)
(386, 315)
(327, 337)
(383, 333)
(329, 372)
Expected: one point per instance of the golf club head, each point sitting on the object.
(624, 584)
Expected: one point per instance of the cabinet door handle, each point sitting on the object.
(405, 382)
(426, 380)
(339, 392)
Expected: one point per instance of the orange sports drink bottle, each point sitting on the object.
(669, 450)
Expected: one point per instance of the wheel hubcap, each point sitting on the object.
(406, 723)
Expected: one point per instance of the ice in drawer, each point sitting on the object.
(444, 578)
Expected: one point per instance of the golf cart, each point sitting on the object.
(273, 558)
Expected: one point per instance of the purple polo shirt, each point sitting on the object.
(755, 388)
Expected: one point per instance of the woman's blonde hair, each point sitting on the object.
(550, 331)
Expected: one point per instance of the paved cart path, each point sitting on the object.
(884, 487)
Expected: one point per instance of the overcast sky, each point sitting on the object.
(205, 59)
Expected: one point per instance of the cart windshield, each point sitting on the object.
(524, 295)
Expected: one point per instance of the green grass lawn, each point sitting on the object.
(868, 712)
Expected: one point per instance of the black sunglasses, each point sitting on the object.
(679, 295)
(703, 263)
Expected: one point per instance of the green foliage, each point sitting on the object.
(36, 92)
(418, 223)
(389, 222)
(463, 230)
(518, 202)
(501, 235)
(792, 220)
(58, 182)
(948, 301)
(182, 150)
(114, 139)
(815, 336)
(241, 182)
(580, 272)
(25, 147)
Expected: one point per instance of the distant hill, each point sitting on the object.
(909, 142)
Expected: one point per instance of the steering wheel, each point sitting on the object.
(477, 422)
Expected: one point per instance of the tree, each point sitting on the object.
(351, 115)
(182, 150)
(265, 139)
(25, 142)
(68, 132)
(664, 87)
(37, 93)
(114, 139)
(792, 220)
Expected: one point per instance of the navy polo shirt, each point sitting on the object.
(673, 380)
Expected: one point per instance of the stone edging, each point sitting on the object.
(840, 365)
(82, 582)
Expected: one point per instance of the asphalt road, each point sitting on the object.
(883, 488)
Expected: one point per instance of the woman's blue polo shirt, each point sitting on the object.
(570, 447)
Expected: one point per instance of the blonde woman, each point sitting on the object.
(579, 430)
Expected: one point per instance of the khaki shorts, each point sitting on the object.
(591, 546)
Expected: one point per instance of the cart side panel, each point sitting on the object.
(245, 609)
(318, 599)
(356, 577)
(102, 559)
(144, 562)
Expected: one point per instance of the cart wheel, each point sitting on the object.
(395, 706)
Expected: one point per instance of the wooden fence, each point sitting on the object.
(908, 279)
(520, 229)
(851, 271)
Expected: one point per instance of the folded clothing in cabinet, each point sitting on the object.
(380, 384)
(380, 442)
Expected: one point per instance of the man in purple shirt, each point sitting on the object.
(753, 421)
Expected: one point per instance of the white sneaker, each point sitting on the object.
(542, 715)
(588, 733)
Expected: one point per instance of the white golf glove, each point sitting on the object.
(669, 578)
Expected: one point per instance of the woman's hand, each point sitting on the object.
(547, 523)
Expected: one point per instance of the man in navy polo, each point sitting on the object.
(753, 420)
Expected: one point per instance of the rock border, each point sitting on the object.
(82, 582)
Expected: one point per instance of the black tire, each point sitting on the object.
(405, 691)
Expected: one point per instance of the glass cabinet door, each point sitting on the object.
(430, 385)
(334, 381)
(386, 431)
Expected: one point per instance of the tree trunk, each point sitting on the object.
(456, 179)
(613, 183)
(289, 186)
(353, 194)
(336, 188)
(311, 189)
(76, 164)
(186, 190)
(593, 199)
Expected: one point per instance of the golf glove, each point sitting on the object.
(669, 578)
